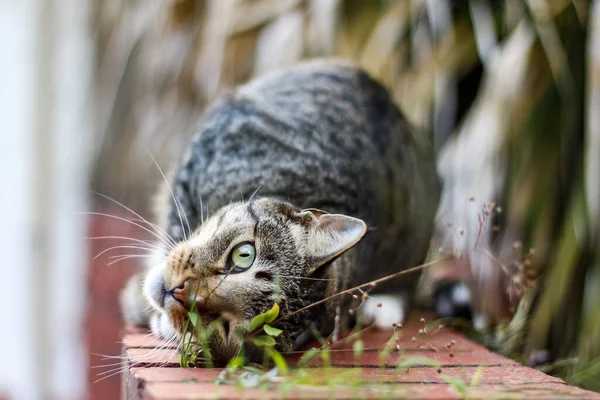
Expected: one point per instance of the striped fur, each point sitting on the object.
(321, 135)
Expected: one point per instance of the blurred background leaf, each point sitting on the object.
(509, 90)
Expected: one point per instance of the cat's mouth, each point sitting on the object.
(209, 313)
(218, 322)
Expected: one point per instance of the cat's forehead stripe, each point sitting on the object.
(206, 231)
(221, 219)
(221, 242)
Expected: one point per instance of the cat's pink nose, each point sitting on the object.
(180, 294)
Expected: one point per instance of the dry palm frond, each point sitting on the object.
(473, 163)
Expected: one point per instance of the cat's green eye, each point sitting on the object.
(243, 256)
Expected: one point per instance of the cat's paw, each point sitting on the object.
(383, 310)
(134, 306)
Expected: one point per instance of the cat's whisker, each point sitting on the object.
(175, 199)
(129, 222)
(149, 336)
(218, 284)
(170, 238)
(173, 341)
(125, 357)
(163, 348)
(129, 255)
(118, 363)
(253, 194)
(201, 210)
(142, 219)
(146, 242)
(123, 258)
(107, 357)
(148, 308)
(116, 371)
(121, 247)
(303, 278)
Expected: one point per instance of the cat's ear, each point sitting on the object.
(315, 211)
(332, 235)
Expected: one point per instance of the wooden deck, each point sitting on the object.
(463, 370)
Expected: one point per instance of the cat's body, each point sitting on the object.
(322, 135)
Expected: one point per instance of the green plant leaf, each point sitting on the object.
(193, 318)
(418, 361)
(269, 330)
(279, 362)
(460, 386)
(263, 341)
(272, 314)
(476, 376)
(309, 355)
(325, 357)
(358, 347)
(236, 363)
(256, 322)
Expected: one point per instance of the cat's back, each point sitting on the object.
(321, 134)
(318, 126)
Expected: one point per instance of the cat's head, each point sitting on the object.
(242, 260)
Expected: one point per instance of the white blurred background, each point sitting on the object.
(46, 109)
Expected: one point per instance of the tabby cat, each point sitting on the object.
(300, 184)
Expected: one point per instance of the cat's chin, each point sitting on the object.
(224, 341)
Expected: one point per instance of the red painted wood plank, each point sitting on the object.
(408, 339)
(346, 358)
(199, 391)
(497, 375)
(372, 338)
(166, 358)
(343, 358)
(173, 391)
(488, 376)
